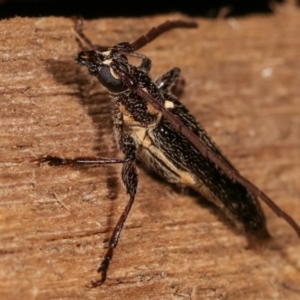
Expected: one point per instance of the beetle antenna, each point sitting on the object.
(157, 31)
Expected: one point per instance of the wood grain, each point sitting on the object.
(242, 83)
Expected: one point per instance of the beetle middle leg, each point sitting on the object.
(129, 178)
(96, 161)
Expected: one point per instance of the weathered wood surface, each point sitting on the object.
(242, 82)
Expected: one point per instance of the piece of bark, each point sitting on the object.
(242, 83)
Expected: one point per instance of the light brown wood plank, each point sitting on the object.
(242, 83)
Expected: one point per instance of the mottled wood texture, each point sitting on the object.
(242, 82)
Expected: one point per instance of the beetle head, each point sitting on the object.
(99, 65)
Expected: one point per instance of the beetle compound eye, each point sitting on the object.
(109, 79)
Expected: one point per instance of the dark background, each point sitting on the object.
(94, 9)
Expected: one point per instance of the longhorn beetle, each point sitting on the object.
(151, 125)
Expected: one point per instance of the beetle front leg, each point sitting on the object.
(168, 79)
(146, 62)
